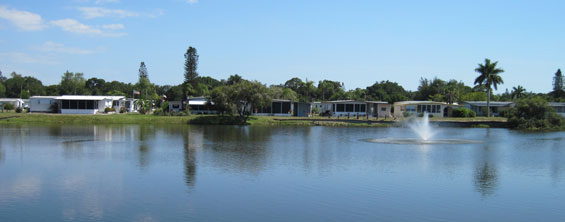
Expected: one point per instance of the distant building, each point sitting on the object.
(435, 109)
(282, 107)
(379, 109)
(480, 107)
(200, 105)
(18, 103)
(559, 108)
(175, 106)
(88, 104)
(43, 104)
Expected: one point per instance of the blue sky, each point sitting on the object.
(355, 42)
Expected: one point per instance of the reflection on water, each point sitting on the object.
(233, 173)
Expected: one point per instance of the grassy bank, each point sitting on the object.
(25, 118)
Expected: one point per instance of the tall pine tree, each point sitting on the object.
(558, 81)
(190, 71)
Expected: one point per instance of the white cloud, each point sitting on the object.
(95, 12)
(113, 26)
(106, 1)
(60, 48)
(24, 58)
(74, 26)
(25, 21)
(192, 1)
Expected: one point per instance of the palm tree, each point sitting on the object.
(518, 92)
(489, 76)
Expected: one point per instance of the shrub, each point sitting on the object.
(123, 109)
(19, 110)
(463, 112)
(8, 106)
(107, 109)
(534, 113)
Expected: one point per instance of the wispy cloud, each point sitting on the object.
(61, 48)
(74, 26)
(24, 58)
(113, 26)
(96, 12)
(98, 1)
(23, 20)
(192, 1)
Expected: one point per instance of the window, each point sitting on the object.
(277, 107)
(286, 107)
(363, 108)
(90, 104)
(383, 109)
(411, 108)
(65, 104)
(349, 108)
(116, 103)
(357, 107)
(340, 108)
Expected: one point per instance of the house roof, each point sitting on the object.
(77, 97)
(492, 104)
(43, 97)
(418, 102)
(557, 104)
(10, 99)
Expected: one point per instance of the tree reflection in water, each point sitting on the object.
(486, 176)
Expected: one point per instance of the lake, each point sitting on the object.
(235, 173)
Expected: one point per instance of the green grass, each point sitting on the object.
(33, 118)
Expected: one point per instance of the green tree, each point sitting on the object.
(329, 90)
(295, 84)
(234, 79)
(95, 86)
(387, 91)
(558, 81)
(517, 92)
(175, 93)
(2, 90)
(72, 83)
(558, 87)
(190, 69)
(143, 71)
(2, 78)
(191, 64)
(534, 113)
(243, 96)
(489, 77)
(143, 84)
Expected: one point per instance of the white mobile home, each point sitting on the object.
(200, 105)
(348, 108)
(18, 103)
(435, 109)
(43, 104)
(379, 109)
(480, 107)
(86, 104)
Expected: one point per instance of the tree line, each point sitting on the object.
(296, 89)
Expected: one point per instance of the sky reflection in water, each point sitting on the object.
(231, 173)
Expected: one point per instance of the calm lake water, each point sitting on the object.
(231, 173)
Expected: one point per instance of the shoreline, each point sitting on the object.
(45, 118)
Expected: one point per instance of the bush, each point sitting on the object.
(19, 110)
(108, 109)
(123, 110)
(534, 113)
(8, 106)
(463, 112)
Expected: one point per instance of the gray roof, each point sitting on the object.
(492, 103)
(557, 104)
